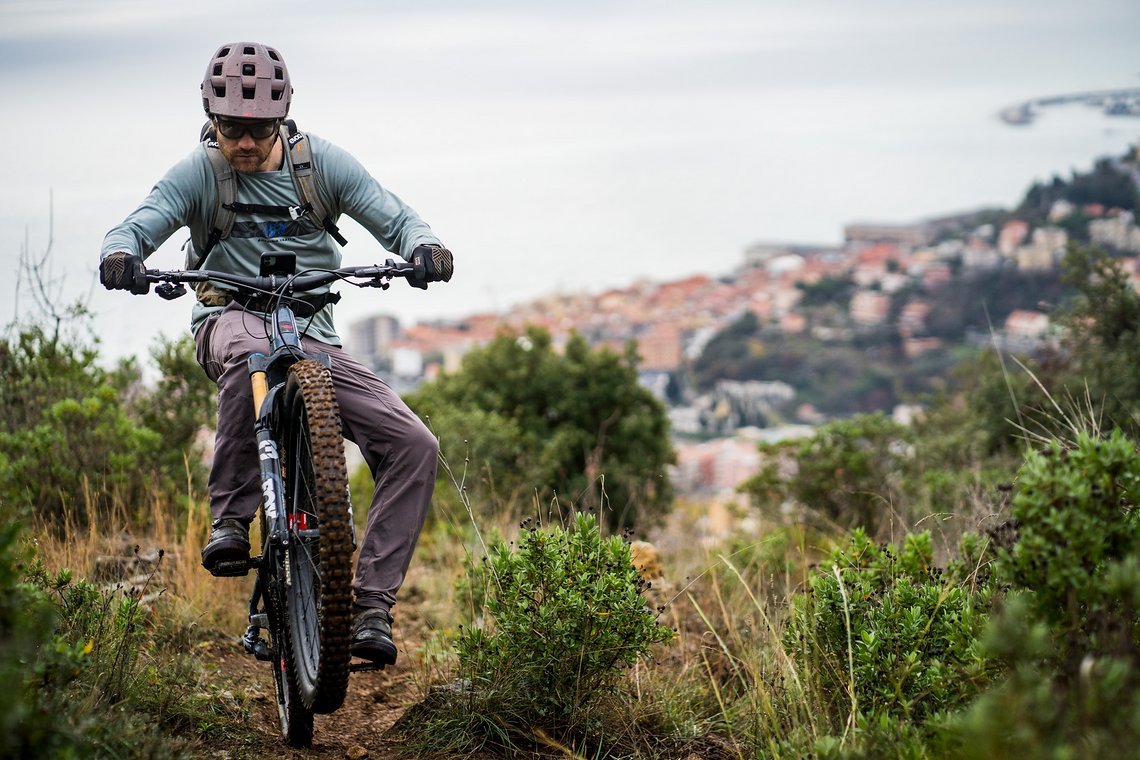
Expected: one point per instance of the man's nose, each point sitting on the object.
(246, 141)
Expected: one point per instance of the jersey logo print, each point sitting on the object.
(274, 229)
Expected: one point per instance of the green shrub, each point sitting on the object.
(563, 618)
(571, 427)
(82, 441)
(848, 474)
(883, 636)
(85, 452)
(1069, 632)
(1076, 525)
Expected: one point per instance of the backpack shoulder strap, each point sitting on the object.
(307, 180)
(223, 220)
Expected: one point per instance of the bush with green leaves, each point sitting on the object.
(85, 453)
(1069, 631)
(563, 618)
(522, 420)
(850, 473)
(85, 441)
(882, 635)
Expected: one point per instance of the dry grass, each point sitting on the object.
(105, 549)
(728, 674)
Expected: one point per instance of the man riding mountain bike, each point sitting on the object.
(261, 185)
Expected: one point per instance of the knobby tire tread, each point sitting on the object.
(314, 384)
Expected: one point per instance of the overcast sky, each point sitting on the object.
(564, 146)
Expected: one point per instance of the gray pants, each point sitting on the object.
(399, 450)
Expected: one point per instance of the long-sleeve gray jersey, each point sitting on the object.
(187, 195)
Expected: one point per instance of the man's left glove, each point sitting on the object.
(124, 271)
(432, 264)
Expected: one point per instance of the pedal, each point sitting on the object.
(234, 568)
(365, 666)
(255, 645)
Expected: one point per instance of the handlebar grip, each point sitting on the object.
(140, 283)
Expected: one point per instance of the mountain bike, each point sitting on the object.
(302, 594)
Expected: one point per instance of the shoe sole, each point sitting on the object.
(375, 652)
(225, 560)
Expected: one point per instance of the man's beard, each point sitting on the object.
(247, 161)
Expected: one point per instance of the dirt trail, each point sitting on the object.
(375, 701)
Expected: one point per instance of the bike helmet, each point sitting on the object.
(247, 80)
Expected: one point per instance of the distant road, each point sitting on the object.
(1124, 102)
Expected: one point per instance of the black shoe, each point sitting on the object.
(372, 636)
(227, 553)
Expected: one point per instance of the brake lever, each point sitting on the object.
(170, 290)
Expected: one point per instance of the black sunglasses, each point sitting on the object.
(258, 130)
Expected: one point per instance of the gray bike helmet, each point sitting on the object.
(247, 80)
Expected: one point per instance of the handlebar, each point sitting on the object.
(375, 276)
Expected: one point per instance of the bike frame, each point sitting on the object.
(267, 377)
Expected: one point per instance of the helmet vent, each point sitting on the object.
(219, 92)
(248, 50)
(247, 93)
(248, 70)
(217, 69)
(278, 73)
(273, 54)
(223, 52)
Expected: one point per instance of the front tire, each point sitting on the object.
(318, 558)
(296, 719)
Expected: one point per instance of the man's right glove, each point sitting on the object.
(123, 271)
(432, 264)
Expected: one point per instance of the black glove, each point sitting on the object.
(432, 264)
(124, 271)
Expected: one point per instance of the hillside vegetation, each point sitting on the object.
(968, 586)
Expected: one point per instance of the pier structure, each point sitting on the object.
(1120, 102)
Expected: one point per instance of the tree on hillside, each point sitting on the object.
(1103, 336)
(734, 353)
(835, 377)
(1089, 375)
(829, 291)
(983, 300)
(1105, 184)
(521, 421)
(84, 440)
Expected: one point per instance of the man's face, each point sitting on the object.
(246, 143)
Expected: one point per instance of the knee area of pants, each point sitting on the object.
(423, 443)
(417, 444)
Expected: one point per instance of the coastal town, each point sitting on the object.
(672, 322)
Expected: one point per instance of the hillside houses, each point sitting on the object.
(892, 269)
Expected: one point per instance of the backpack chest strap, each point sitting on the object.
(292, 212)
(306, 181)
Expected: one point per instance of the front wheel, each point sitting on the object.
(296, 719)
(318, 558)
